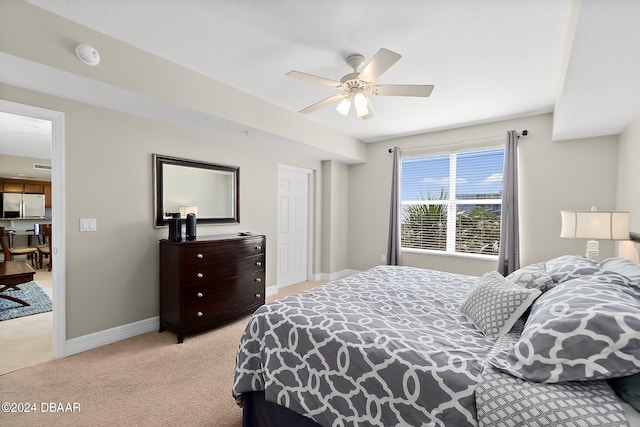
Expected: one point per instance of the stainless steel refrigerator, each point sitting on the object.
(16, 205)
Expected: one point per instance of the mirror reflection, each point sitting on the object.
(188, 186)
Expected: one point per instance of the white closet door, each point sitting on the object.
(293, 226)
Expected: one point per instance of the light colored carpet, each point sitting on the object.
(148, 380)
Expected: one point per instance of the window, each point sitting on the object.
(452, 202)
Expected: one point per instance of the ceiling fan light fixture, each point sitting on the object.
(360, 102)
(344, 106)
(356, 86)
(370, 111)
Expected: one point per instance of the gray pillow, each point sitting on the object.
(586, 328)
(532, 276)
(494, 305)
(623, 266)
(628, 388)
(569, 267)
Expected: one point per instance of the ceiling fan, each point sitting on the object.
(356, 86)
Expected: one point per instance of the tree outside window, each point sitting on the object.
(452, 203)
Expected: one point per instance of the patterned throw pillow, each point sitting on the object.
(494, 305)
(532, 276)
(586, 328)
(569, 267)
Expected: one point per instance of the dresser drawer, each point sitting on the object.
(203, 255)
(224, 299)
(197, 274)
(225, 290)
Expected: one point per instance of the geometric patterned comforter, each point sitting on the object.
(383, 347)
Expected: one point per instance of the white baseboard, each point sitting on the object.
(337, 275)
(109, 336)
(271, 291)
(119, 333)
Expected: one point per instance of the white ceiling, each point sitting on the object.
(489, 60)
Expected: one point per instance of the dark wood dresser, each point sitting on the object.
(210, 280)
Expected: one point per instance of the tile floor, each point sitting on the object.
(27, 341)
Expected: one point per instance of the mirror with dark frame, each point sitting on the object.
(209, 190)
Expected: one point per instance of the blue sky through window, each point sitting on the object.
(479, 174)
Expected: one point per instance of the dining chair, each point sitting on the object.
(45, 248)
(10, 252)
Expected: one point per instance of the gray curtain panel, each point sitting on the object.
(509, 255)
(394, 253)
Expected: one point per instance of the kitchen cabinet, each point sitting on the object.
(12, 187)
(27, 187)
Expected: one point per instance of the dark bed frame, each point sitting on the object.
(257, 412)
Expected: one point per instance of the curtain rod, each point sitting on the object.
(463, 141)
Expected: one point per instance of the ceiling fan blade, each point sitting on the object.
(378, 65)
(322, 103)
(312, 78)
(402, 90)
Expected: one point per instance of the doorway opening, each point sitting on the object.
(57, 276)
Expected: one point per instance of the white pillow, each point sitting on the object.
(495, 304)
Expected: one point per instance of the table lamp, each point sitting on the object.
(594, 224)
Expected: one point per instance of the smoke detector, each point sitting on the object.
(87, 54)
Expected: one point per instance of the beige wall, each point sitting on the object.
(553, 176)
(628, 195)
(112, 275)
(335, 210)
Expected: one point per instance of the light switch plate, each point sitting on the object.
(88, 224)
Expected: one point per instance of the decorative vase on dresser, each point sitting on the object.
(210, 280)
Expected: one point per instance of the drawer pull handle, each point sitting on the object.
(200, 275)
(258, 295)
(199, 314)
(200, 256)
(258, 248)
(258, 263)
(199, 295)
(258, 279)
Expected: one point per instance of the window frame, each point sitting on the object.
(452, 203)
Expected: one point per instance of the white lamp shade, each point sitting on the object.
(184, 210)
(601, 225)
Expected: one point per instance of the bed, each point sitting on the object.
(403, 346)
